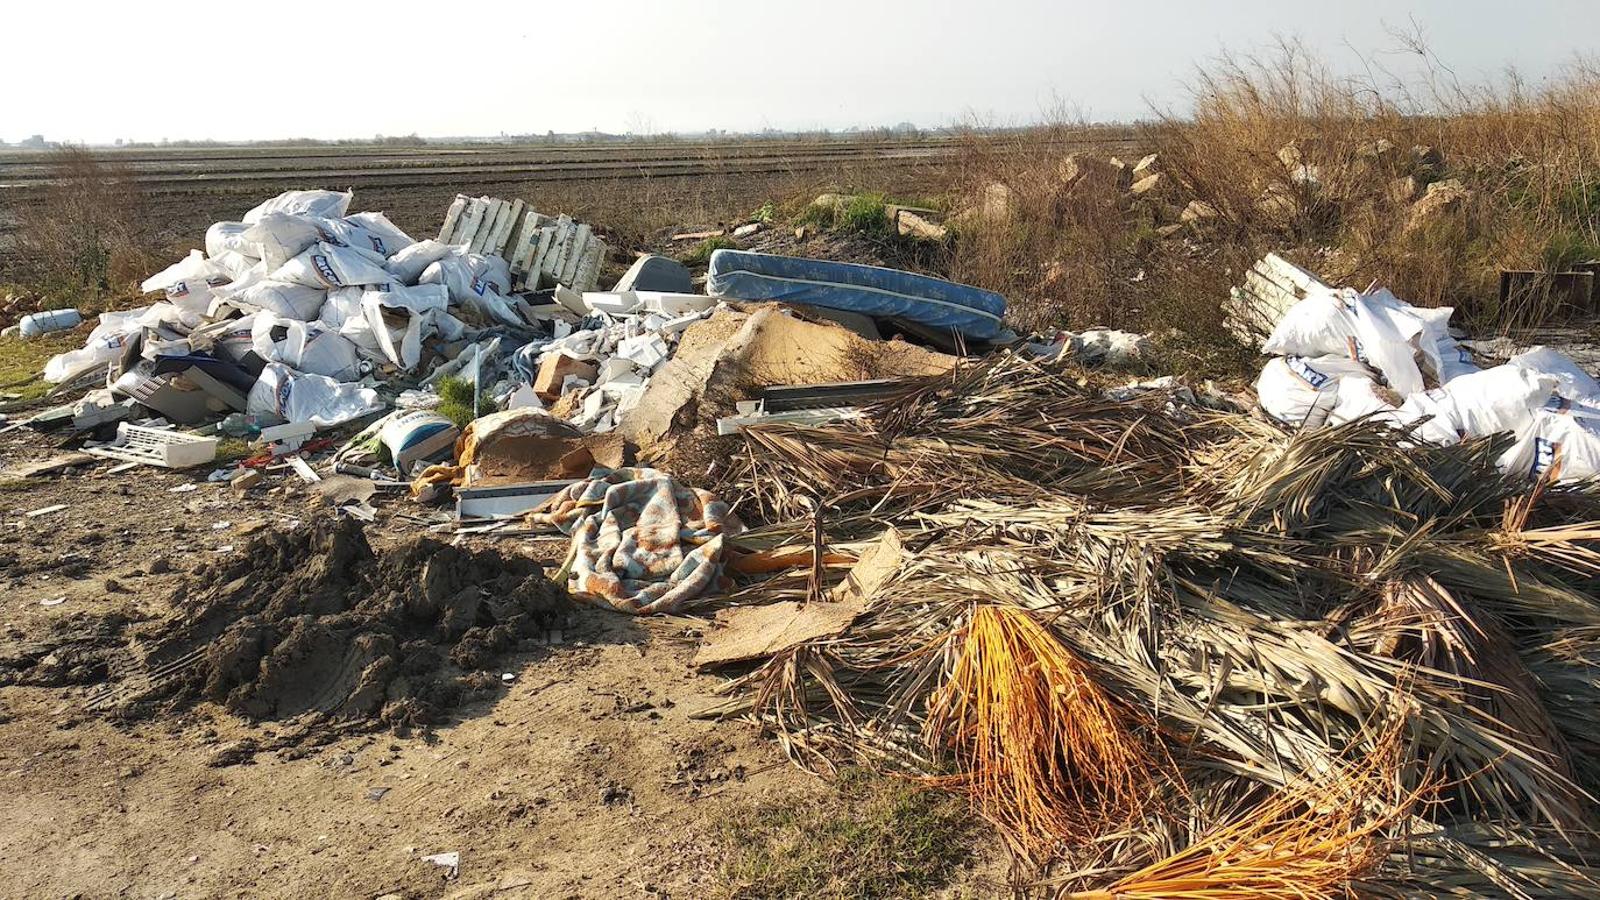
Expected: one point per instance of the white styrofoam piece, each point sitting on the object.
(611, 303)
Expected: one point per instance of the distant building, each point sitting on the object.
(36, 142)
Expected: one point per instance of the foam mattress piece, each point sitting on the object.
(869, 290)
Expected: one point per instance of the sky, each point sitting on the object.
(230, 71)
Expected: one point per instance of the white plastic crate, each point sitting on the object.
(158, 447)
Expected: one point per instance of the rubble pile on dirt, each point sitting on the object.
(311, 621)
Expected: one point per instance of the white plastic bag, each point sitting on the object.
(1503, 398)
(192, 268)
(1387, 337)
(281, 394)
(401, 317)
(380, 234)
(478, 284)
(408, 265)
(1292, 388)
(106, 341)
(291, 301)
(304, 347)
(228, 237)
(328, 204)
(278, 238)
(331, 266)
(1321, 324)
(1572, 382)
(1556, 445)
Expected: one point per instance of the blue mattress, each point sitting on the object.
(869, 290)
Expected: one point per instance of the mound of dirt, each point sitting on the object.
(311, 622)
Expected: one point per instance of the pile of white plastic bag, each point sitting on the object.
(328, 299)
(1341, 355)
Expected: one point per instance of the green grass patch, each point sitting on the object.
(232, 448)
(701, 253)
(455, 396)
(864, 214)
(882, 839)
(22, 363)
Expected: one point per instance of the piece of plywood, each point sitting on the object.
(757, 632)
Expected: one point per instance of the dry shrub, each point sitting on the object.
(1043, 751)
(1293, 158)
(86, 233)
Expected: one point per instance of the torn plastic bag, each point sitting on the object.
(107, 341)
(331, 266)
(1360, 398)
(235, 264)
(1387, 338)
(328, 204)
(1320, 324)
(477, 283)
(1572, 382)
(1302, 392)
(1450, 360)
(400, 317)
(1555, 445)
(408, 265)
(304, 347)
(283, 395)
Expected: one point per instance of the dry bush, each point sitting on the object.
(1289, 157)
(86, 234)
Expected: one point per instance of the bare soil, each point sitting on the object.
(584, 774)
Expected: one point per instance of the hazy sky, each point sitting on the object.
(230, 70)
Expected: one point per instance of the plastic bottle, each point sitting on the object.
(50, 320)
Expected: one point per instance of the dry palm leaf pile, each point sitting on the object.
(1175, 652)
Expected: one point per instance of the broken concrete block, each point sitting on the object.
(1149, 186)
(655, 273)
(614, 368)
(1080, 171)
(747, 230)
(554, 370)
(1443, 199)
(1145, 168)
(1427, 163)
(1405, 189)
(910, 224)
(1197, 211)
(246, 479)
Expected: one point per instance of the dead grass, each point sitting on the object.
(882, 838)
(1283, 155)
(87, 237)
